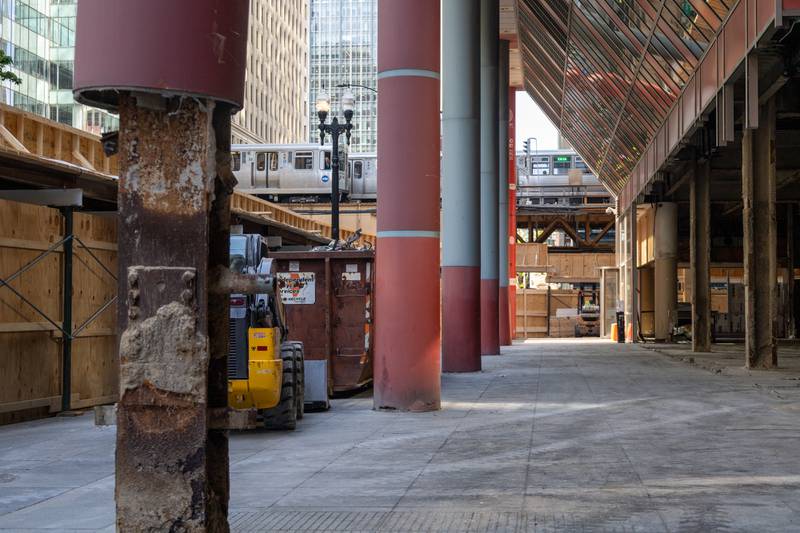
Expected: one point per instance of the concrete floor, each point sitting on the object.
(554, 435)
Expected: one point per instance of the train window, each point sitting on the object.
(273, 161)
(303, 161)
(561, 163)
(358, 169)
(237, 160)
(580, 163)
(540, 165)
(326, 160)
(261, 161)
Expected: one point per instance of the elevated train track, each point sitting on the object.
(39, 154)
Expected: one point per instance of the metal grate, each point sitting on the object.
(237, 348)
(430, 521)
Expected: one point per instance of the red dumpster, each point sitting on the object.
(328, 299)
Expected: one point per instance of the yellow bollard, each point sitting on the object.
(614, 333)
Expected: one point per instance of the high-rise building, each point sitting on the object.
(276, 84)
(344, 50)
(39, 37)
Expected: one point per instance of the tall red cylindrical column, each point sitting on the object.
(512, 212)
(407, 331)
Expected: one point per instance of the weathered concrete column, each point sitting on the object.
(700, 256)
(461, 207)
(490, 35)
(665, 243)
(791, 328)
(760, 242)
(407, 343)
(502, 192)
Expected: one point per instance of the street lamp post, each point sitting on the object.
(335, 129)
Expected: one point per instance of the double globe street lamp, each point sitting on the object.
(335, 129)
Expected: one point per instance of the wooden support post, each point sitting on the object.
(40, 139)
(791, 327)
(700, 256)
(760, 246)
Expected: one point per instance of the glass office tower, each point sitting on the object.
(344, 50)
(39, 36)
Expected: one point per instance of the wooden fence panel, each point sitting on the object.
(30, 347)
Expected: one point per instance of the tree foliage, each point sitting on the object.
(5, 74)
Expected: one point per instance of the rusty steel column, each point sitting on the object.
(504, 333)
(174, 211)
(407, 344)
(760, 242)
(461, 250)
(700, 255)
(171, 466)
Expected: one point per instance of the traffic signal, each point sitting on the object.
(527, 145)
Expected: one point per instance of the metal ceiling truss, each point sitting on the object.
(611, 73)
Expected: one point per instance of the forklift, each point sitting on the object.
(265, 369)
(588, 322)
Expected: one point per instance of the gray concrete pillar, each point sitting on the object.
(665, 243)
(461, 255)
(700, 256)
(631, 320)
(502, 193)
(490, 35)
(760, 243)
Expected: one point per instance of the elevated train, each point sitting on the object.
(557, 177)
(302, 173)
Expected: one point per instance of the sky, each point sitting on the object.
(532, 122)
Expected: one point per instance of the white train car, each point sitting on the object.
(364, 176)
(289, 172)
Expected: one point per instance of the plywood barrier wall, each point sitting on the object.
(531, 256)
(533, 316)
(30, 347)
(575, 267)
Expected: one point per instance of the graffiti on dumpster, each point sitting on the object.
(297, 287)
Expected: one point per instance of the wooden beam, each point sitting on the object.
(602, 233)
(76, 153)
(12, 141)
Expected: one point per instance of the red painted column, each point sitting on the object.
(504, 330)
(461, 250)
(512, 213)
(407, 331)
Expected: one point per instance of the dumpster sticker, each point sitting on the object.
(351, 276)
(297, 287)
(350, 267)
(294, 266)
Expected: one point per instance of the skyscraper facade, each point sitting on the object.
(276, 82)
(39, 37)
(344, 50)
